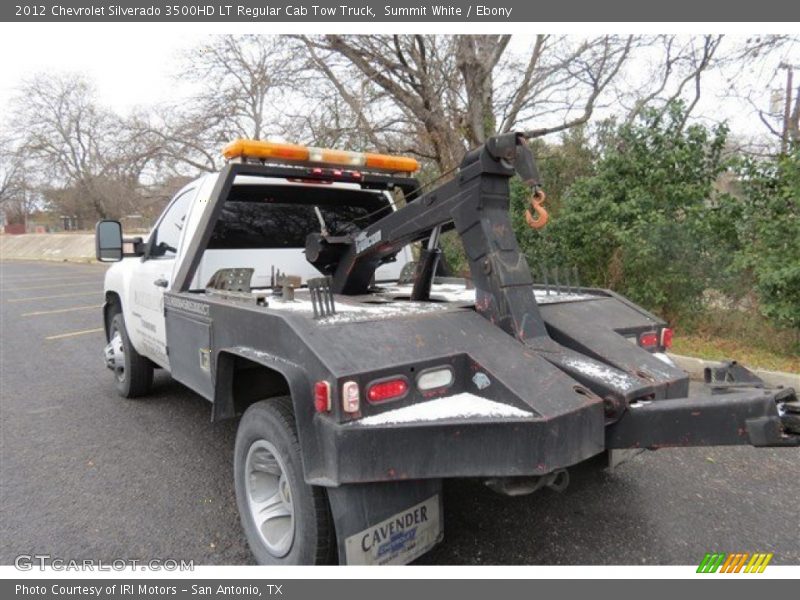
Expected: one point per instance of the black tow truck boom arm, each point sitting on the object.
(476, 202)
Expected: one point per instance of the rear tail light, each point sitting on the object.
(350, 397)
(649, 339)
(322, 396)
(434, 379)
(666, 337)
(388, 389)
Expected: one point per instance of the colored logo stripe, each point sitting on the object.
(711, 562)
(758, 563)
(734, 563)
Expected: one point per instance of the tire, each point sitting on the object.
(133, 373)
(268, 471)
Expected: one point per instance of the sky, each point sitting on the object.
(129, 67)
(135, 65)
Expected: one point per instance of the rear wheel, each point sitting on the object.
(286, 521)
(133, 373)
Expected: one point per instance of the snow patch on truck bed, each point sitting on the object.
(458, 406)
(346, 313)
(444, 295)
(601, 372)
(453, 292)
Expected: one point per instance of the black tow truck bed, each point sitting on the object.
(510, 411)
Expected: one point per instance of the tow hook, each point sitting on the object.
(557, 481)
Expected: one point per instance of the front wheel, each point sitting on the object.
(133, 373)
(286, 521)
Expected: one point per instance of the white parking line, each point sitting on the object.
(49, 277)
(70, 334)
(48, 287)
(94, 293)
(60, 310)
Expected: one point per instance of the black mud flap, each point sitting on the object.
(720, 416)
(386, 523)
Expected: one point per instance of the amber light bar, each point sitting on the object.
(275, 151)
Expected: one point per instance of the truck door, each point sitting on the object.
(154, 276)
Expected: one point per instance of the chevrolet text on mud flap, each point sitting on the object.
(289, 291)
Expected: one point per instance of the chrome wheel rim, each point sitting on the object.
(115, 355)
(269, 497)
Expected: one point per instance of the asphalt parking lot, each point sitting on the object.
(85, 474)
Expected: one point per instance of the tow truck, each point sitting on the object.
(283, 289)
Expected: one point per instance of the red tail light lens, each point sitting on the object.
(648, 339)
(322, 396)
(666, 337)
(389, 389)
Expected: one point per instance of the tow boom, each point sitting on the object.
(476, 202)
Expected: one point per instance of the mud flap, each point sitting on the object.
(389, 523)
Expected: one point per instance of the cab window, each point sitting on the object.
(167, 236)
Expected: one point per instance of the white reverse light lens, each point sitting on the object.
(433, 379)
(350, 397)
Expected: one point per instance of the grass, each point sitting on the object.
(741, 335)
(720, 348)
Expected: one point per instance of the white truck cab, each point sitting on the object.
(273, 246)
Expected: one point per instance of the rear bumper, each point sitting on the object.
(458, 448)
(357, 453)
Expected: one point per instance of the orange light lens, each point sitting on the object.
(392, 163)
(264, 150)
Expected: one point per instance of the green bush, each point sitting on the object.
(769, 235)
(641, 211)
(644, 222)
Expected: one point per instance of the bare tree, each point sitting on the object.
(238, 85)
(76, 146)
(760, 64)
(677, 69)
(239, 79)
(9, 168)
(18, 198)
(457, 90)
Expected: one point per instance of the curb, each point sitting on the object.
(695, 367)
(73, 259)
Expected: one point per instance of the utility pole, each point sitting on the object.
(787, 106)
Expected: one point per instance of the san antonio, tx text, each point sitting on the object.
(130, 589)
